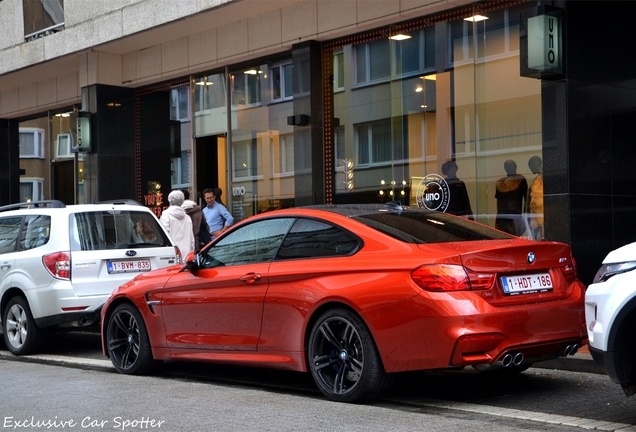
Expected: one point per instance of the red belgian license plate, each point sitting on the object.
(526, 284)
(128, 266)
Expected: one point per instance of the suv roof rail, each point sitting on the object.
(120, 201)
(34, 204)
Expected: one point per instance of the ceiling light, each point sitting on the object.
(253, 72)
(400, 37)
(476, 18)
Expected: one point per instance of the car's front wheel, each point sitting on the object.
(127, 341)
(21, 335)
(343, 358)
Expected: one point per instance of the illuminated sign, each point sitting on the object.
(544, 43)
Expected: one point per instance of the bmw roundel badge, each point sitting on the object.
(531, 257)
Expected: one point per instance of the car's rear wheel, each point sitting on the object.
(21, 335)
(127, 341)
(343, 358)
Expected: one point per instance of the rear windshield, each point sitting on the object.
(115, 229)
(425, 227)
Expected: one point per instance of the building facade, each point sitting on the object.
(516, 113)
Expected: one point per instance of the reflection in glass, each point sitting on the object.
(411, 108)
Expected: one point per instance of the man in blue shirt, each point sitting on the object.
(217, 216)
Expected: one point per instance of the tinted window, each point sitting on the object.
(116, 229)
(9, 230)
(253, 243)
(36, 232)
(424, 227)
(312, 239)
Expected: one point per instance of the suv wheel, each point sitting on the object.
(20, 331)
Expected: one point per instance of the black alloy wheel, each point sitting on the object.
(343, 358)
(127, 341)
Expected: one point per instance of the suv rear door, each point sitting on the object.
(110, 247)
(9, 231)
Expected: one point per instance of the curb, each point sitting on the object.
(579, 362)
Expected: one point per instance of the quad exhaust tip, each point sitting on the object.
(570, 350)
(512, 359)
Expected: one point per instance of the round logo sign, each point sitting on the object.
(433, 193)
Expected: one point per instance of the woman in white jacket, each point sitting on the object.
(178, 224)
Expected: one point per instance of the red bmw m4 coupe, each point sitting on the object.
(353, 294)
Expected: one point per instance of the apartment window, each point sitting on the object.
(371, 64)
(42, 18)
(338, 71)
(63, 148)
(282, 82)
(246, 87)
(31, 189)
(414, 54)
(245, 160)
(410, 55)
(209, 92)
(179, 103)
(339, 145)
(31, 143)
(374, 142)
(283, 154)
(180, 171)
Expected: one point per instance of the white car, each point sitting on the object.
(59, 264)
(610, 313)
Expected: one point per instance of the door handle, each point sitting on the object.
(5, 265)
(250, 278)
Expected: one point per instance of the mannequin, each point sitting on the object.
(510, 193)
(535, 197)
(459, 203)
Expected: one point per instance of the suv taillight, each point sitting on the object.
(178, 252)
(570, 271)
(58, 264)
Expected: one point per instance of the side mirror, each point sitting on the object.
(192, 261)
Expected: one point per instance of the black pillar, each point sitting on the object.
(309, 149)
(9, 162)
(109, 169)
(588, 127)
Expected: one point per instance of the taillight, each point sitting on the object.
(570, 271)
(480, 281)
(178, 252)
(449, 277)
(58, 264)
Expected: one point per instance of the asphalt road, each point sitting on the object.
(547, 396)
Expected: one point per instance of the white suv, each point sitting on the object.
(58, 263)
(610, 312)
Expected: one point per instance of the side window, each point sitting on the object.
(9, 230)
(313, 239)
(36, 232)
(116, 229)
(250, 244)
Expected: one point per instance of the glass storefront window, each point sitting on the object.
(260, 149)
(180, 137)
(456, 131)
(262, 144)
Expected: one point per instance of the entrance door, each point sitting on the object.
(207, 172)
(63, 181)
